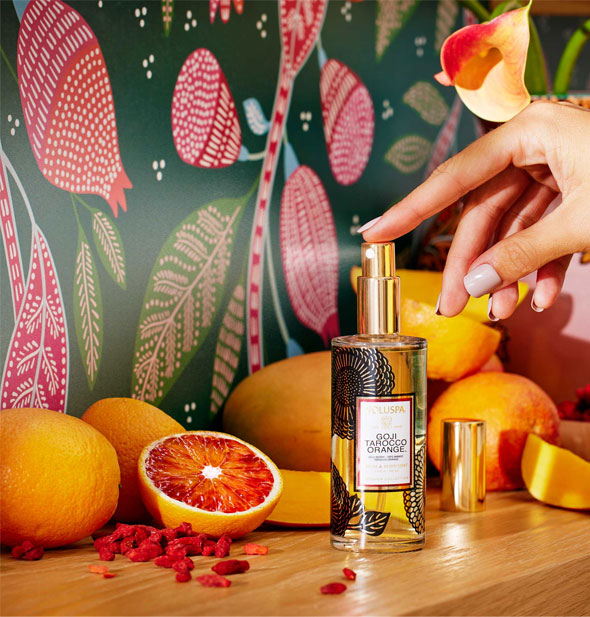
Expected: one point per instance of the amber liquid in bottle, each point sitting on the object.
(378, 421)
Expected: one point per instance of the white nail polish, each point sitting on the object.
(481, 281)
(368, 225)
(491, 315)
(436, 310)
(536, 308)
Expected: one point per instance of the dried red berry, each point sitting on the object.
(213, 580)
(225, 538)
(169, 534)
(184, 529)
(181, 565)
(222, 549)
(109, 575)
(138, 554)
(255, 549)
(34, 554)
(178, 552)
(124, 531)
(350, 574)
(165, 561)
(96, 569)
(105, 554)
(127, 544)
(140, 536)
(151, 548)
(333, 588)
(230, 566)
(208, 548)
(183, 577)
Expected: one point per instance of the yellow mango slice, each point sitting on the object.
(555, 476)
(305, 501)
(424, 286)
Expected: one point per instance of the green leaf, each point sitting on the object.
(391, 17)
(109, 247)
(167, 15)
(87, 309)
(228, 348)
(425, 99)
(409, 153)
(534, 73)
(183, 294)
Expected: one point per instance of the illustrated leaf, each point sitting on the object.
(309, 250)
(391, 17)
(87, 309)
(257, 121)
(35, 372)
(227, 351)
(446, 136)
(182, 296)
(424, 98)
(414, 498)
(372, 523)
(409, 153)
(446, 14)
(167, 15)
(109, 247)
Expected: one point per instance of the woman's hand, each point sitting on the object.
(510, 177)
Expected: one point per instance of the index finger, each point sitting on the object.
(457, 176)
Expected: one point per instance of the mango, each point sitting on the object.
(305, 501)
(554, 475)
(284, 409)
(425, 285)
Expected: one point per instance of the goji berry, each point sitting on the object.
(140, 536)
(102, 542)
(96, 569)
(34, 554)
(165, 561)
(213, 580)
(183, 577)
(127, 544)
(225, 538)
(109, 575)
(208, 548)
(255, 549)
(333, 588)
(19, 551)
(138, 554)
(222, 549)
(151, 548)
(105, 554)
(178, 552)
(184, 529)
(169, 534)
(231, 566)
(350, 574)
(124, 531)
(180, 565)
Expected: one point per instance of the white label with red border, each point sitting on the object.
(384, 443)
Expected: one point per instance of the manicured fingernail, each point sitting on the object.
(368, 225)
(437, 309)
(536, 308)
(491, 315)
(481, 281)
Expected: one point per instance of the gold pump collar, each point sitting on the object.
(378, 290)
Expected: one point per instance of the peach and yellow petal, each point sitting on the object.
(486, 64)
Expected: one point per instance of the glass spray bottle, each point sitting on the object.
(378, 420)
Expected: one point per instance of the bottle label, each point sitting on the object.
(384, 443)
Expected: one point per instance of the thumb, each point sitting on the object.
(524, 252)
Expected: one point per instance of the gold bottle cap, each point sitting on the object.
(378, 290)
(463, 465)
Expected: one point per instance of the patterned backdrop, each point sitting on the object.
(182, 181)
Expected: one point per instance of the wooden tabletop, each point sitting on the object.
(519, 557)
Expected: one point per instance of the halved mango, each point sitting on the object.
(305, 501)
(554, 475)
(425, 285)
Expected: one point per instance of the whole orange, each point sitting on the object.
(130, 425)
(512, 407)
(59, 478)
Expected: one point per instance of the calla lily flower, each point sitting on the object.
(486, 63)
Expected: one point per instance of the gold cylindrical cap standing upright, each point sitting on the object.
(463, 465)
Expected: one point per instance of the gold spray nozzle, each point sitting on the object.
(378, 290)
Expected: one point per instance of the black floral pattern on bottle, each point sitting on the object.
(356, 372)
(348, 512)
(414, 498)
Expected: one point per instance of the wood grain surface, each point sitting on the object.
(519, 557)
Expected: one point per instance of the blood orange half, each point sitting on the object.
(217, 482)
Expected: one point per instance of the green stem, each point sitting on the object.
(8, 64)
(75, 210)
(534, 74)
(569, 58)
(89, 208)
(476, 8)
